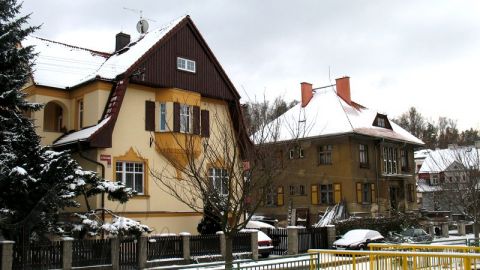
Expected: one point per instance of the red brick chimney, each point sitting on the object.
(307, 93)
(343, 89)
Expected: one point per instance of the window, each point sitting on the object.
(270, 196)
(184, 118)
(363, 151)
(381, 122)
(301, 190)
(280, 196)
(130, 174)
(326, 194)
(53, 117)
(411, 190)
(292, 190)
(325, 154)
(366, 193)
(389, 160)
(296, 152)
(80, 113)
(219, 180)
(434, 179)
(291, 153)
(163, 117)
(300, 153)
(404, 159)
(186, 65)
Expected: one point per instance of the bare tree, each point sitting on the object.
(457, 172)
(217, 171)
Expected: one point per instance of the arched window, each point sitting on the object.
(53, 117)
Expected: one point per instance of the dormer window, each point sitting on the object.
(186, 64)
(381, 120)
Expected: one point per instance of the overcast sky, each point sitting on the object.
(397, 54)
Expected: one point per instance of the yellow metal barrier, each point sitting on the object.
(390, 260)
(423, 248)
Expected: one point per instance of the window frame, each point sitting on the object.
(363, 155)
(123, 174)
(80, 115)
(404, 166)
(185, 118)
(221, 175)
(327, 191)
(390, 160)
(183, 64)
(325, 154)
(292, 190)
(162, 111)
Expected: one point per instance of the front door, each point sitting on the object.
(394, 198)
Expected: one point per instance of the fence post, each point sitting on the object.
(461, 228)
(444, 229)
(431, 230)
(115, 250)
(67, 252)
(142, 252)
(186, 245)
(254, 244)
(223, 244)
(331, 235)
(292, 240)
(7, 255)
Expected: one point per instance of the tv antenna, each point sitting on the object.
(142, 24)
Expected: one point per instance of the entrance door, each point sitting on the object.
(394, 198)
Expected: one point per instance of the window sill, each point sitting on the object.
(142, 196)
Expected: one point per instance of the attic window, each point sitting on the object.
(186, 64)
(381, 120)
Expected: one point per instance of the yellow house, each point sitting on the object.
(122, 113)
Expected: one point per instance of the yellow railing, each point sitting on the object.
(390, 260)
(424, 248)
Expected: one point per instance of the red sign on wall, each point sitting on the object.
(107, 158)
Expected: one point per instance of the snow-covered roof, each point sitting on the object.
(328, 114)
(82, 134)
(423, 186)
(61, 66)
(441, 160)
(421, 154)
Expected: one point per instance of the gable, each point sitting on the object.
(159, 67)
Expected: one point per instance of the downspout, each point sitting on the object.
(103, 177)
(376, 177)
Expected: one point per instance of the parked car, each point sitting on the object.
(358, 239)
(265, 245)
(415, 235)
(254, 224)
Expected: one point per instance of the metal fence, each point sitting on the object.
(279, 240)
(35, 255)
(91, 252)
(202, 245)
(128, 253)
(164, 247)
(242, 243)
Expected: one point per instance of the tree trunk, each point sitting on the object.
(228, 251)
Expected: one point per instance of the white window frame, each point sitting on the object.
(162, 125)
(219, 179)
(80, 105)
(291, 153)
(301, 154)
(122, 172)
(390, 160)
(185, 118)
(381, 122)
(186, 65)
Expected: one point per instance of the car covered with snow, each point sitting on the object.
(265, 245)
(254, 224)
(416, 235)
(358, 239)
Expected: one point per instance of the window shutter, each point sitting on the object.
(176, 117)
(196, 120)
(280, 196)
(314, 194)
(205, 119)
(374, 193)
(337, 192)
(149, 115)
(359, 193)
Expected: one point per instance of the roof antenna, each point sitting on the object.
(142, 25)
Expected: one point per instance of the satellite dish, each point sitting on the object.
(142, 26)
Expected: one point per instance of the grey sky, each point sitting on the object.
(397, 53)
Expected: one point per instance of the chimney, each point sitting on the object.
(343, 89)
(307, 93)
(121, 40)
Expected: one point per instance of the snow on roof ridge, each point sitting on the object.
(105, 54)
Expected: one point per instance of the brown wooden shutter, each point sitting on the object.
(314, 194)
(205, 119)
(176, 117)
(374, 193)
(196, 120)
(337, 188)
(149, 115)
(359, 193)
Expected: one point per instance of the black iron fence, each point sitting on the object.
(279, 240)
(35, 255)
(91, 252)
(242, 242)
(164, 247)
(312, 238)
(128, 253)
(201, 245)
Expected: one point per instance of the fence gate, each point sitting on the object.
(279, 240)
(319, 238)
(128, 253)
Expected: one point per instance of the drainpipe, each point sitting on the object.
(103, 177)
(377, 190)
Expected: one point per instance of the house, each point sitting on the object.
(444, 174)
(123, 113)
(333, 149)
